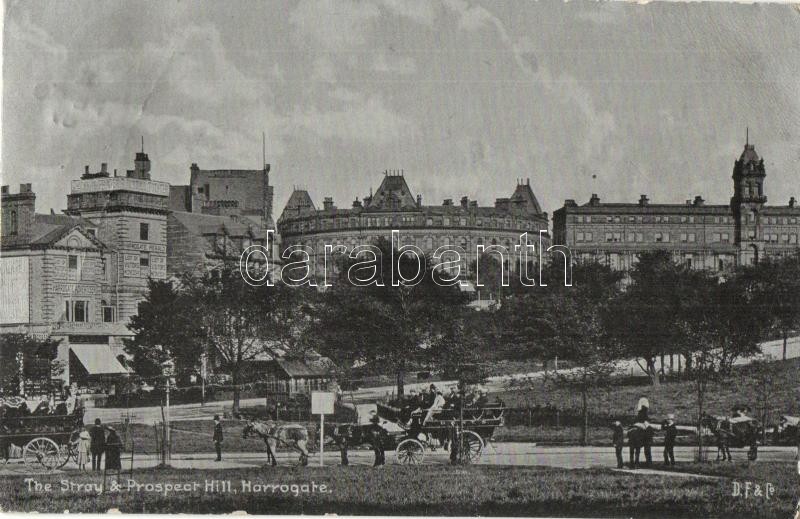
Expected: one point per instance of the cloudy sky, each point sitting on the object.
(465, 96)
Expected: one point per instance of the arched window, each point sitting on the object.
(13, 222)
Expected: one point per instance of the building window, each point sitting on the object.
(659, 237)
(715, 237)
(684, 237)
(588, 236)
(109, 314)
(725, 237)
(72, 263)
(144, 231)
(144, 260)
(609, 236)
(720, 265)
(14, 223)
(692, 237)
(76, 311)
(608, 219)
(793, 238)
(631, 237)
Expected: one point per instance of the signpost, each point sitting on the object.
(322, 404)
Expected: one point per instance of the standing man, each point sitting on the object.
(376, 438)
(670, 433)
(619, 441)
(218, 437)
(98, 444)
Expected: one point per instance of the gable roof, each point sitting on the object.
(524, 196)
(393, 193)
(295, 368)
(48, 229)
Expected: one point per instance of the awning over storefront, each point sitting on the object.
(98, 359)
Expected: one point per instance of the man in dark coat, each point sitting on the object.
(218, 437)
(98, 444)
(376, 439)
(112, 449)
(619, 441)
(670, 433)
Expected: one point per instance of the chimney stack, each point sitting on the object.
(327, 204)
(447, 202)
(643, 200)
(464, 201)
(595, 200)
(103, 168)
(698, 201)
(17, 215)
(419, 200)
(792, 202)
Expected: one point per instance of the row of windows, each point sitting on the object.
(427, 244)
(783, 238)
(638, 237)
(785, 220)
(77, 311)
(387, 221)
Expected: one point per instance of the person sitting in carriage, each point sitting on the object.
(436, 406)
(739, 415)
(642, 413)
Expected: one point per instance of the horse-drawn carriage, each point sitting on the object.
(469, 429)
(48, 439)
(740, 432)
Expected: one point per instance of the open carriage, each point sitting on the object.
(469, 428)
(48, 439)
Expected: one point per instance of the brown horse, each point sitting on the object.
(292, 435)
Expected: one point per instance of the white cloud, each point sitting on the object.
(394, 64)
(333, 24)
(366, 121)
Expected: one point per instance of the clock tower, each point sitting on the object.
(747, 203)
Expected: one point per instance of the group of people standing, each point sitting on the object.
(95, 443)
(643, 423)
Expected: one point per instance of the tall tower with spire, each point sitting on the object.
(748, 202)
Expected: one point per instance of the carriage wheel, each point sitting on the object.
(410, 452)
(471, 446)
(44, 451)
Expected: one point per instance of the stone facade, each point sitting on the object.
(53, 271)
(198, 243)
(225, 192)
(394, 207)
(714, 237)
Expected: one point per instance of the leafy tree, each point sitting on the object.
(237, 321)
(165, 329)
(776, 284)
(571, 323)
(381, 325)
(32, 350)
(643, 319)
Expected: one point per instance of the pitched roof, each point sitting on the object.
(749, 154)
(47, 229)
(295, 368)
(299, 204)
(203, 224)
(393, 193)
(523, 195)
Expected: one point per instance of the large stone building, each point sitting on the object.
(78, 277)
(464, 225)
(222, 192)
(218, 215)
(714, 237)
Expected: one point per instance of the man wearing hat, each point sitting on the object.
(98, 444)
(619, 441)
(376, 438)
(218, 437)
(670, 433)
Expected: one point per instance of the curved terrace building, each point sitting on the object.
(461, 226)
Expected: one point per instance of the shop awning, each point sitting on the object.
(98, 359)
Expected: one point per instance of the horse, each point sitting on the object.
(293, 435)
(639, 438)
(739, 434)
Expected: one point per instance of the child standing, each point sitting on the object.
(84, 441)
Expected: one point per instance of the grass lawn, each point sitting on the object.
(423, 490)
(677, 397)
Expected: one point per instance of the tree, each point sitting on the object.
(33, 351)
(709, 335)
(571, 324)
(237, 321)
(776, 283)
(165, 330)
(643, 320)
(380, 325)
(763, 378)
